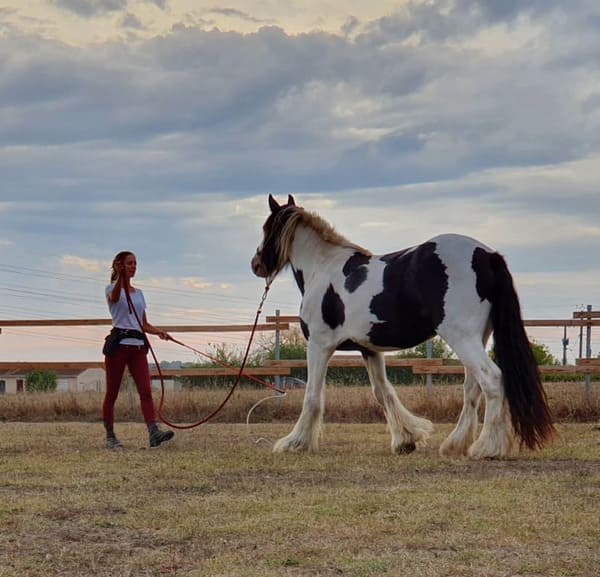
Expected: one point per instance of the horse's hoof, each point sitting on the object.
(286, 444)
(451, 448)
(406, 448)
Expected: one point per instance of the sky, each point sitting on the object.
(161, 126)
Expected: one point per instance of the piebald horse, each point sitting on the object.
(452, 286)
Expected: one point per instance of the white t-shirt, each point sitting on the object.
(121, 317)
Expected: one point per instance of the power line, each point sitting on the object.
(64, 296)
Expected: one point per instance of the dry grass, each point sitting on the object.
(344, 404)
(216, 502)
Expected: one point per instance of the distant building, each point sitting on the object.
(68, 380)
(73, 377)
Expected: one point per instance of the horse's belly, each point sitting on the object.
(394, 335)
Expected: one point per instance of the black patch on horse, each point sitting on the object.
(356, 271)
(299, 276)
(350, 345)
(304, 328)
(333, 309)
(391, 256)
(411, 304)
(482, 265)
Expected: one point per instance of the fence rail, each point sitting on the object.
(356, 361)
(58, 367)
(268, 326)
(586, 315)
(582, 320)
(436, 366)
(284, 367)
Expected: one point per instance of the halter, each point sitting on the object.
(239, 375)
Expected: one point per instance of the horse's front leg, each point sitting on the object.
(305, 434)
(407, 429)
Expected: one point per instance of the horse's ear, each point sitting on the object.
(273, 204)
(291, 201)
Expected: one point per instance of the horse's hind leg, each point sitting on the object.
(465, 432)
(496, 439)
(305, 434)
(407, 429)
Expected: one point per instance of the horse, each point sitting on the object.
(452, 286)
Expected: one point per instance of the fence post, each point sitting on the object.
(588, 354)
(277, 349)
(428, 386)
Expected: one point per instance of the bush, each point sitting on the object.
(40, 381)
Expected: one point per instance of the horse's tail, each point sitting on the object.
(529, 412)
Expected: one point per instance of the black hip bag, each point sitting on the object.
(116, 335)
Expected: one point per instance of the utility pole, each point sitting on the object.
(565, 344)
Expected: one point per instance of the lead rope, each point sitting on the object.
(239, 375)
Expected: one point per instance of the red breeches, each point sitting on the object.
(134, 358)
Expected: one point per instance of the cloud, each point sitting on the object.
(310, 112)
(90, 8)
(234, 13)
(86, 264)
(130, 20)
(478, 117)
(162, 4)
(196, 283)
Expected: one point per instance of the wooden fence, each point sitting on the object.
(278, 323)
(423, 366)
(25, 367)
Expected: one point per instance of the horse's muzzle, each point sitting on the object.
(258, 268)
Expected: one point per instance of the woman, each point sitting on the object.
(126, 346)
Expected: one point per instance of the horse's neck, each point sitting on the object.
(310, 253)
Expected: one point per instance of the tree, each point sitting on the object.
(41, 381)
(541, 354)
(292, 345)
(222, 355)
(439, 350)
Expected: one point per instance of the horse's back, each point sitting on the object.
(457, 249)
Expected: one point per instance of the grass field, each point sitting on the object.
(343, 404)
(216, 502)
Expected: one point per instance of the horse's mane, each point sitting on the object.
(316, 223)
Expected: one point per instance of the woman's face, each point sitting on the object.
(129, 265)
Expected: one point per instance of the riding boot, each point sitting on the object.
(111, 439)
(157, 436)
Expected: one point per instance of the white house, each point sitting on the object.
(68, 380)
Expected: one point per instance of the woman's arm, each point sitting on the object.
(115, 293)
(121, 282)
(148, 328)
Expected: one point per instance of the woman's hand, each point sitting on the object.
(164, 335)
